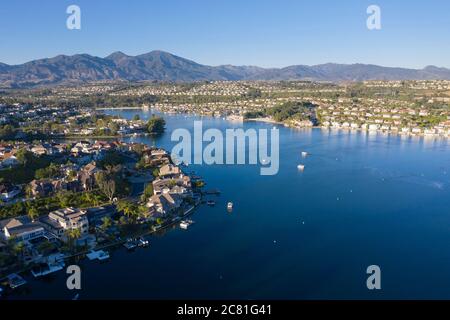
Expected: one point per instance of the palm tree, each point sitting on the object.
(33, 213)
(129, 209)
(19, 248)
(107, 223)
(73, 235)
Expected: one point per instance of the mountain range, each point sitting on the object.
(163, 66)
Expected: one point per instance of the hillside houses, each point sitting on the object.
(403, 120)
(169, 189)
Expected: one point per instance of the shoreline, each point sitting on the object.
(265, 120)
(329, 128)
(351, 130)
(187, 213)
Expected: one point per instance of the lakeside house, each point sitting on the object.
(164, 203)
(21, 229)
(60, 221)
(156, 157)
(97, 214)
(169, 171)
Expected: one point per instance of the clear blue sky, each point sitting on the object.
(267, 33)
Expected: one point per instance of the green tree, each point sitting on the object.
(49, 172)
(156, 125)
(33, 213)
(106, 223)
(19, 248)
(129, 209)
(148, 192)
(72, 236)
(24, 156)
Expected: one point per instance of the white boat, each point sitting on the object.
(301, 167)
(185, 224)
(230, 206)
(47, 268)
(98, 255)
(143, 242)
(304, 154)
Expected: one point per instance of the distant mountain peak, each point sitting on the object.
(164, 66)
(117, 55)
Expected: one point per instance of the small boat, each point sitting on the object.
(185, 224)
(15, 281)
(230, 206)
(301, 167)
(47, 268)
(304, 154)
(211, 203)
(142, 242)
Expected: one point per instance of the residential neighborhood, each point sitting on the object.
(78, 196)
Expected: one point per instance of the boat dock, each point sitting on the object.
(47, 268)
(15, 281)
(212, 192)
(130, 244)
(98, 255)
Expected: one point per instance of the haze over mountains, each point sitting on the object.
(163, 66)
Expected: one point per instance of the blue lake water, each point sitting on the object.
(362, 200)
